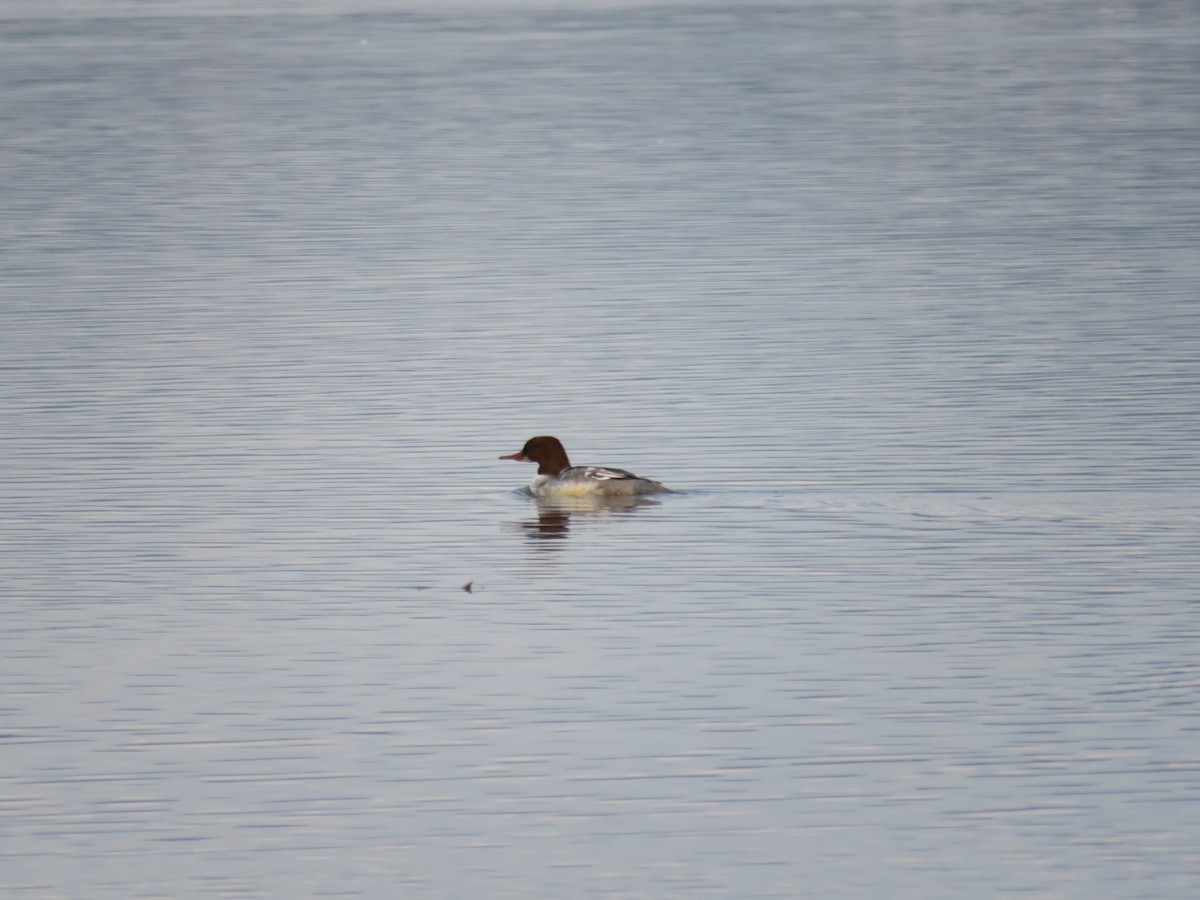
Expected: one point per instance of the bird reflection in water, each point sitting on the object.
(553, 522)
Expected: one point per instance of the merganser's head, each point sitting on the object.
(546, 451)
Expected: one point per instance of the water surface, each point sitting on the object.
(899, 297)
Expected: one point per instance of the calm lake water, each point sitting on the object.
(900, 297)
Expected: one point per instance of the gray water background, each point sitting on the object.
(901, 297)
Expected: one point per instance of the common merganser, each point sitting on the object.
(556, 476)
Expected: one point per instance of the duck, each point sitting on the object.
(556, 477)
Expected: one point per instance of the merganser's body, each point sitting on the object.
(556, 476)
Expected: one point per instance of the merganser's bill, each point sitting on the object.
(556, 477)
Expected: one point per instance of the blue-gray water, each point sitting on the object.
(901, 297)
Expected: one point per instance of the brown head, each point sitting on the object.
(546, 451)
